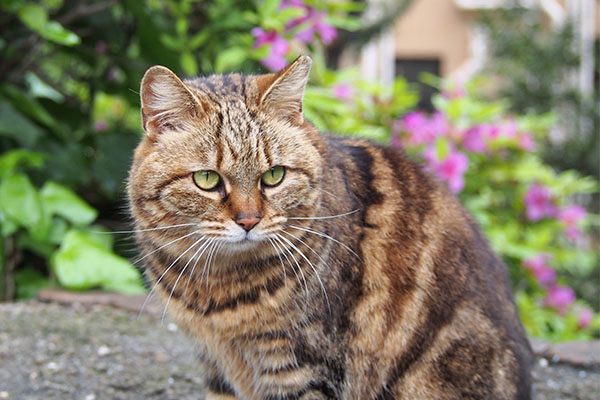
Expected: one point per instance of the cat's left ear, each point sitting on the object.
(282, 94)
(167, 103)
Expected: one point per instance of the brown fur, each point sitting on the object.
(379, 285)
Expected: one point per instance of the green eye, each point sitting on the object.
(206, 180)
(273, 176)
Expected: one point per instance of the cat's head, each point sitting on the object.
(229, 155)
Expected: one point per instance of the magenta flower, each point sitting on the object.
(343, 91)
(585, 318)
(559, 298)
(100, 126)
(538, 203)
(474, 139)
(279, 47)
(421, 130)
(526, 142)
(545, 275)
(100, 47)
(570, 217)
(313, 20)
(451, 169)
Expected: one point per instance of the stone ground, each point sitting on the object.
(98, 351)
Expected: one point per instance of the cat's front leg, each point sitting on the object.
(217, 387)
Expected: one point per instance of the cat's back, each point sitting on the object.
(436, 300)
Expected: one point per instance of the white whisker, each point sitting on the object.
(328, 216)
(325, 236)
(167, 270)
(165, 245)
(145, 230)
(312, 266)
(204, 246)
(281, 260)
(286, 250)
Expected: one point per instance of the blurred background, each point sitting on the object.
(498, 98)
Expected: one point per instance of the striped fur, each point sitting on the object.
(364, 279)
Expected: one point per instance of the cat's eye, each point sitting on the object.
(206, 180)
(273, 176)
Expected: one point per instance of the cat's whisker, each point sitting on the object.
(327, 237)
(211, 256)
(327, 216)
(281, 260)
(165, 272)
(160, 228)
(293, 246)
(177, 281)
(278, 238)
(204, 247)
(213, 244)
(165, 245)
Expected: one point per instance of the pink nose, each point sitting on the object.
(247, 221)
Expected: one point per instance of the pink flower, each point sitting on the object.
(474, 139)
(545, 275)
(526, 142)
(585, 317)
(421, 130)
(343, 91)
(538, 203)
(570, 217)
(279, 47)
(100, 47)
(455, 91)
(451, 169)
(509, 129)
(559, 298)
(100, 126)
(572, 214)
(313, 20)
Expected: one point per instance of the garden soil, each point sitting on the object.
(93, 352)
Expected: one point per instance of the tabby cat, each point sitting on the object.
(307, 266)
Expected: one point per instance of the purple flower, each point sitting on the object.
(343, 91)
(100, 47)
(100, 126)
(526, 142)
(559, 298)
(421, 130)
(585, 317)
(474, 139)
(279, 47)
(570, 217)
(545, 275)
(538, 203)
(451, 169)
(313, 20)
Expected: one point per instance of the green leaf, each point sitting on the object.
(40, 88)
(14, 125)
(36, 18)
(11, 160)
(28, 282)
(82, 263)
(61, 201)
(231, 58)
(442, 148)
(188, 63)
(20, 200)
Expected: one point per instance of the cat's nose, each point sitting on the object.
(247, 221)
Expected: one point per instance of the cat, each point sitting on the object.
(307, 266)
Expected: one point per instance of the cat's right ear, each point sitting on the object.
(167, 103)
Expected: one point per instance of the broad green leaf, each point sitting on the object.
(30, 107)
(20, 200)
(61, 201)
(82, 263)
(14, 125)
(55, 32)
(34, 16)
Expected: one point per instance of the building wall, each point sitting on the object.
(432, 29)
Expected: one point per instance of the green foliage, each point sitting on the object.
(53, 223)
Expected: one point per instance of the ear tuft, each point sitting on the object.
(282, 93)
(166, 102)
